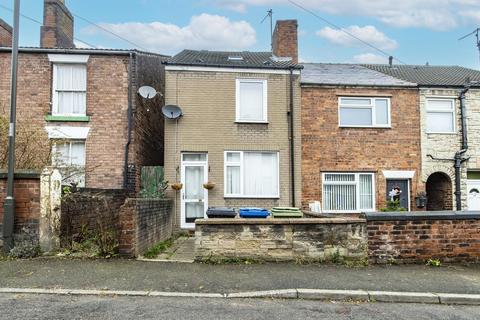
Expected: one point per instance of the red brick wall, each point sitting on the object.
(285, 39)
(326, 147)
(57, 29)
(27, 208)
(420, 240)
(107, 103)
(5, 34)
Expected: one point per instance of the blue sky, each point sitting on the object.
(415, 31)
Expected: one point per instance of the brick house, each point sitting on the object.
(442, 130)
(87, 102)
(360, 138)
(236, 127)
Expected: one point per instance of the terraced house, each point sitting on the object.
(449, 100)
(240, 129)
(360, 139)
(86, 101)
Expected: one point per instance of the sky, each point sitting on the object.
(413, 31)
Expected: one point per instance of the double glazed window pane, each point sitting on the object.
(348, 192)
(251, 104)
(356, 116)
(440, 116)
(364, 112)
(381, 111)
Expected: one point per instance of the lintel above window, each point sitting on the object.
(364, 112)
(251, 100)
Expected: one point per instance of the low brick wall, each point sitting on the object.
(281, 239)
(416, 237)
(144, 222)
(27, 207)
(90, 209)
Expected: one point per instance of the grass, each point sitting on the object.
(162, 246)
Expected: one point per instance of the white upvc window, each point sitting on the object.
(69, 97)
(69, 157)
(251, 174)
(251, 100)
(348, 192)
(440, 115)
(364, 112)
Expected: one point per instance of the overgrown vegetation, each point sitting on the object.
(32, 146)
(231, 260)
(393, 205)
(26, 251)
(153, 183)
(434, 262)
(162, 246)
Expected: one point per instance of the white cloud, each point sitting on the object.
(204, 31)
(473, 16)
(368, 34)
(81, 44)
(370, 58)
(431, 14)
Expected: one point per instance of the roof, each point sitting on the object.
(81, 51)
(241, 59)
(426, 76)
(348, 74)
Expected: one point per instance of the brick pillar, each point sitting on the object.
(285, 39)
(5, 34)
(57, 29)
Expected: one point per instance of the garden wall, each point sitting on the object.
(416, 237)
(27, 208)
(281, 239)
(144, 222)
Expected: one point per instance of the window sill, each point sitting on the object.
(366, 127)
(251, 122)
(52, 118)
(443, 133)
(251, 197)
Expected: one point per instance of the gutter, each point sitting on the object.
(129, 119)
(112, 52)
(292, 140)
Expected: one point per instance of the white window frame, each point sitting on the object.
(372, 106)
(55, 106)
(241, 165)
(264, 83)
(69, 141)
(357, 191)
(429, 109)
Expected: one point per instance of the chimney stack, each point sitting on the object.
(5, 34)
(57, 29)
(285, 40)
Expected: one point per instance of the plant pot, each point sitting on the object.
(209, 185)
(177, 186)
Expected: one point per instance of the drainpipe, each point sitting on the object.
(129, 119)
(292, 142)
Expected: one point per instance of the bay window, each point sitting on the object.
(348, 192)
(251, 174)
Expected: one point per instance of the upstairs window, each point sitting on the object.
(69, 89)
(364, 112)
(251, 99)
(348, 192)
(440, 116)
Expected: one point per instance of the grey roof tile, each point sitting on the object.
(443, 76)
(348, 74)
(204, 58)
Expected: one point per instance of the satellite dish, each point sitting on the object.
(172, 112)
(147, 92)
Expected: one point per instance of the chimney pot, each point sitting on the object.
(390, 61)
(285, 39)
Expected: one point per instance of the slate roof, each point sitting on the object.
(348, 74)
(425, 76)
(203, 58)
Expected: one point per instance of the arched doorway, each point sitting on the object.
(439, 192)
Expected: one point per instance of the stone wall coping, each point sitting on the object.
(274, 221)
(422, 215)
(21, 174)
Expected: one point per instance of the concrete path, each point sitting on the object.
(182, 250)
(118, 274)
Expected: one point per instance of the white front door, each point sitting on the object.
(473, 189)
(194, 196)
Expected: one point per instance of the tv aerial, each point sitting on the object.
(172, 112)
(475, 32)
